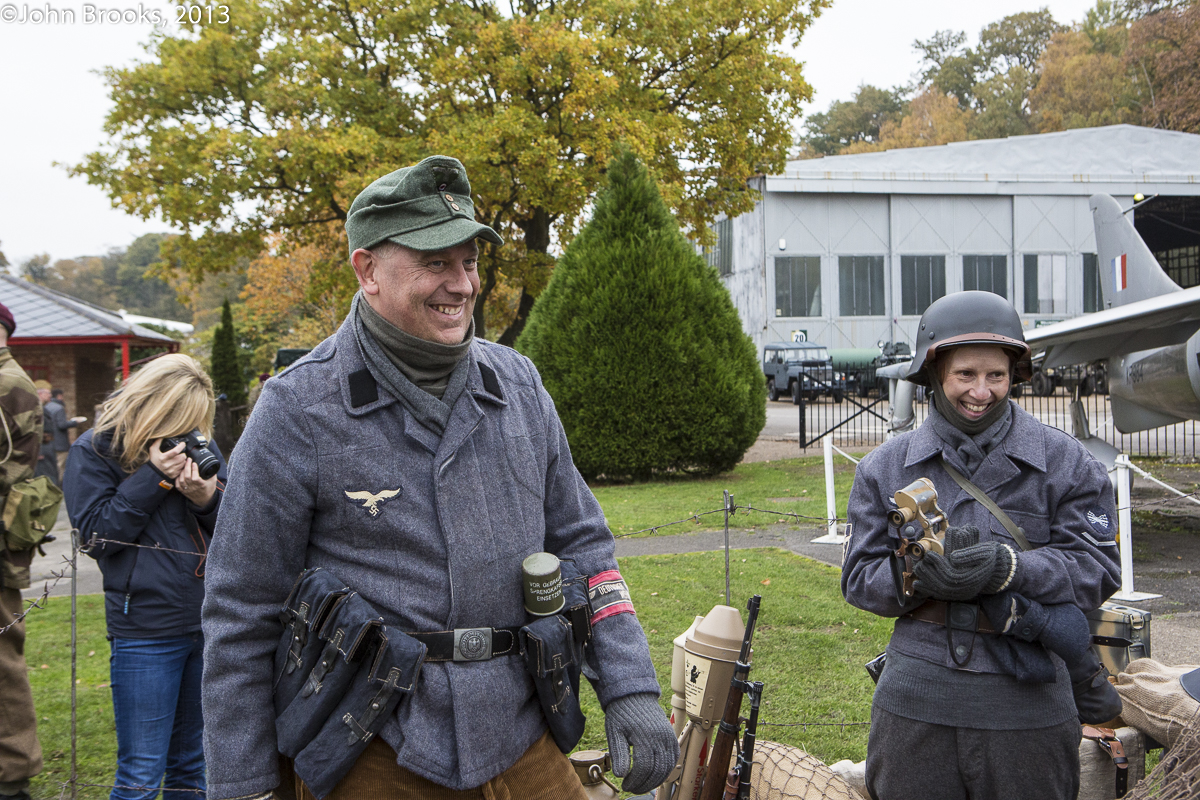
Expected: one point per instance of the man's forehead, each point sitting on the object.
(470, 248)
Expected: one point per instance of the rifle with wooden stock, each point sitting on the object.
(727, 731)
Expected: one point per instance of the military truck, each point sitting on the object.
(859, 366)
(802, 370)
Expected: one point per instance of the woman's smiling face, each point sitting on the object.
(975, 377)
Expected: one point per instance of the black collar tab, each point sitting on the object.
(363, 389)
(490, 381)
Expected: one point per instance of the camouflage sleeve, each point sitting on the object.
(22, 425)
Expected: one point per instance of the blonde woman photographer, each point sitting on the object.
(143, 487)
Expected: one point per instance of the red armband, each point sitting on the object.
(608, 595)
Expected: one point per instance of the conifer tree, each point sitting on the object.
(640, 346)
(226, 367)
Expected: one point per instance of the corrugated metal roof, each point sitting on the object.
(39, 312)
(1111, 154)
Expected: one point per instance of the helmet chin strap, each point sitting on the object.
(971, 427)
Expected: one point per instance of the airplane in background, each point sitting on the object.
(1147, 334)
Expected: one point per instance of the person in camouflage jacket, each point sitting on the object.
(20, 440)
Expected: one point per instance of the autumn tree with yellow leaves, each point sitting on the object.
(254, 136)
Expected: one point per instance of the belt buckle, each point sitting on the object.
(472, 644)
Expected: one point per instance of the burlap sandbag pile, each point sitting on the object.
(782, 772)
(1153, 700)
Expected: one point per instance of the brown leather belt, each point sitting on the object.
(962, 616)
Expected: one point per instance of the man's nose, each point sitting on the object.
(458, 281)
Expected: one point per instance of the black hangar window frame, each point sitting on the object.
(797, 286)
(986, 273)
(922, 280)
(861, 286)
(720, 255)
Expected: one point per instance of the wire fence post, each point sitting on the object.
(1125, 533)
(728, 506)
(74, 663)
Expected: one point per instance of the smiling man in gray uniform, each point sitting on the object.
(420, 466)
(972, 704)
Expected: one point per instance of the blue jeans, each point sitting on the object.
(156, 702)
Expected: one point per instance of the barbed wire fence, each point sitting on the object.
(68, 570)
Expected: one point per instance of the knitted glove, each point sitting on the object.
(1061, 628)
(960, 538)
(638, 721)
(966, 573)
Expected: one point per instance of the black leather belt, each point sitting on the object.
(960, 616)
(469, 644)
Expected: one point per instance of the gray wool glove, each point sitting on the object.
(960, 538)
(966, 573)
(638, 721)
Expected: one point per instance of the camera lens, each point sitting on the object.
(206, 462)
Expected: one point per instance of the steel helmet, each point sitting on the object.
(969, 318)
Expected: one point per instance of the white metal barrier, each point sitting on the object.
(1122, 467)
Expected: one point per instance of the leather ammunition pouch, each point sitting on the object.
(553, 649)
(340, 673)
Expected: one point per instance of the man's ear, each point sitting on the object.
(364, 264)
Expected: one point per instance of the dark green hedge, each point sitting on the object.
(639, 344)
(226, 370)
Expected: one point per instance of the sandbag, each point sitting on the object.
(783, 772)
(1154, 701)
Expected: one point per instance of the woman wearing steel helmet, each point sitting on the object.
(988, 668)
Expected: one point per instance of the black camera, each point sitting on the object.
(195, 448)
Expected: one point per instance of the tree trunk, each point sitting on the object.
(537, 240)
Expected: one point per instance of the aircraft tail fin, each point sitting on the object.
(1128, 270)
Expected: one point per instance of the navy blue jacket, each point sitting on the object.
(148, 594)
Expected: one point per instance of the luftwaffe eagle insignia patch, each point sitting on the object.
(371, 501)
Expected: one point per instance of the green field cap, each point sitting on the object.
(425, 207)
(543, 584)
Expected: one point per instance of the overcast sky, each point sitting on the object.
(53, 104)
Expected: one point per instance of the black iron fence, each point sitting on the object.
(857, 416)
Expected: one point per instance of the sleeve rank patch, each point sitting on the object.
(608, 595)
(1100, 521)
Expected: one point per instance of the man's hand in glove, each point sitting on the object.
(968, 569)
(637, 721)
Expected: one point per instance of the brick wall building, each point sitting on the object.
(78, 347)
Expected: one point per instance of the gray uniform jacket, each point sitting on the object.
(1040, 476)
(58, 424)
(444, 552)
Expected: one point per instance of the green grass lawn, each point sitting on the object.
(48, 653)
(795, 485)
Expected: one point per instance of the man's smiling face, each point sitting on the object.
(975, 378)
(430, 295)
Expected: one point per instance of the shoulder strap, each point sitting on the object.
(8, 436)
(989, 504)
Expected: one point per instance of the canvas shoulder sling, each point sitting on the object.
(989, 504)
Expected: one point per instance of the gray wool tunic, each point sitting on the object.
(444, 553)
(1052, 488)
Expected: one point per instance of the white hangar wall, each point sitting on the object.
(850, 249)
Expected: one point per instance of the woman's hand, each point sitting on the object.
(170, 463)
(193, 487)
